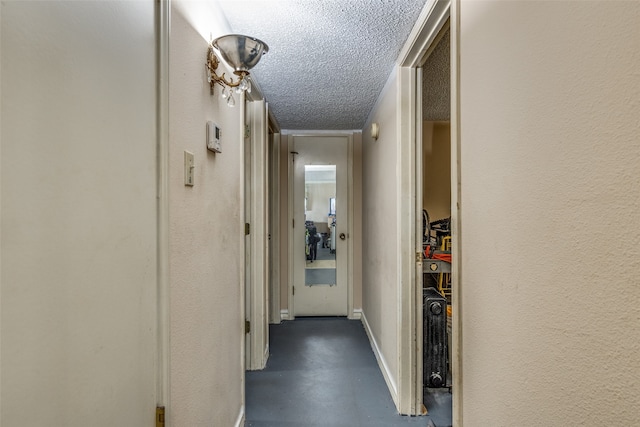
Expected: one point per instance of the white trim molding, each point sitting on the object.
(432, 18)
(240, 420)
(406, 256)
(457, 279)
(382, 363)
(163, 387)
(356, 314)
(274, 226)
(257, 293)
(284, 314)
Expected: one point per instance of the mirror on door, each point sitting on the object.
(320, 224)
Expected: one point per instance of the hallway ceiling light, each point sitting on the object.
(241, 53)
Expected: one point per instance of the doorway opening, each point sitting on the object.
(434, 188)
(413, 367)
(320, 253)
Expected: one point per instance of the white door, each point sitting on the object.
(320, 232)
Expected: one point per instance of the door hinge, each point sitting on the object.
(247, 131)
(247, 326)
(247, 228)
(159, 416)
(418, 256)
(294, 290)
(293, 223)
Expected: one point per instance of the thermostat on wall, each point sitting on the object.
(213, 137)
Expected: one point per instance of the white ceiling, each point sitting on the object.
(328, 60)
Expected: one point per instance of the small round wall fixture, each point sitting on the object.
(375, 130)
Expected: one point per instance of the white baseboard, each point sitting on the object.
(386, 373)
(357, 314)
(240, 419)
(284, 314)
(265, 356)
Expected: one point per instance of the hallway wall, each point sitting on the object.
(380, 234)
(550, 212)
(78, 230)
(206, 232)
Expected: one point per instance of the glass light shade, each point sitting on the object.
(240, 52)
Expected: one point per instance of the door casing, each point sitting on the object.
(433, 17)
(256, 213)
(351, 313)
(321, 300)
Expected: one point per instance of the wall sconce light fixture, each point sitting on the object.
(375, 130)
(241, 53)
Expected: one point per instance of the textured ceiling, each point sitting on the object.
(436, 83)
(328, 60)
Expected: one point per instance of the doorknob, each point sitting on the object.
(342, 236)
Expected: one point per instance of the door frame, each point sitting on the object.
(351, 314)
(163, 25)
(256, 215)
(432, 18)
(274, 225)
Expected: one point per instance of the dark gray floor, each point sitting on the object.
(322, 373)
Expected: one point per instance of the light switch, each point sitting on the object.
(189, 166)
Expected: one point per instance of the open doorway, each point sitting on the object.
(434, 178)
(412, 368)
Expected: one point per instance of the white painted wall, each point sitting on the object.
(550, 165)
(379, 231)
(206, 234)
(78, 284)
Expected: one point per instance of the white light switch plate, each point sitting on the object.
(189, 166)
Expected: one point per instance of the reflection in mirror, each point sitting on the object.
(320, 223)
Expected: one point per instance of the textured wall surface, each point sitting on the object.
(550, 213)
(379, 258)
(78, 285)
(328, 60)
(436, 83)
(207, 256)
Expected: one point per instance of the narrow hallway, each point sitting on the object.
(322, 373)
